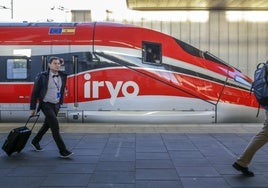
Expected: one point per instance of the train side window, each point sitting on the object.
(151, 53)
(16, 69)
(85, 62)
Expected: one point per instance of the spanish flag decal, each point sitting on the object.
(62, 30)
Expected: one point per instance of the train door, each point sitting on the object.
(74, 115)
(81, 63)
(68, 66)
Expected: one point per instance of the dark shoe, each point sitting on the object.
(244, 170)
(66, 154)
(36, 146)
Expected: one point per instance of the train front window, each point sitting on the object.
(242, 81)
(16, 68)
(151, 53)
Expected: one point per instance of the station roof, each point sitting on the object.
(197, 4)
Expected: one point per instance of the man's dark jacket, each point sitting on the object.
(41, 85)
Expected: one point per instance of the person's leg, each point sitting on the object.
(50, 112)
(41, 132)
(39, 135)
(255, 144)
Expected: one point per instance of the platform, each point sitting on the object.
(140, 156)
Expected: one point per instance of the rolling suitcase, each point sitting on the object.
(18, 137)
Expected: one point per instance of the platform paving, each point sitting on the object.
(136, 156)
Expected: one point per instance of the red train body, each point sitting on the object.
(110, 78)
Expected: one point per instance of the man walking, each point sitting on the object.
(260, 91)
(255, 144)
(49, 89)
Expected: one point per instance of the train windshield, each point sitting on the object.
(206, 55)
(198, 53)
(242, 81)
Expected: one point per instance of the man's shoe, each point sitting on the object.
(244, 170)
(36, 146)
(66, 154)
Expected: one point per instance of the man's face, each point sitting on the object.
(55, 65)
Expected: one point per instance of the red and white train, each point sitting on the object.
(121, 73)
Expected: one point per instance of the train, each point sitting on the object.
(121, 73)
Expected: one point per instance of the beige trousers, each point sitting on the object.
(254, 145)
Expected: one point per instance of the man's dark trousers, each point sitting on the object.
(50, 111)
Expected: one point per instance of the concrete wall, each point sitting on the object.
(242, 44)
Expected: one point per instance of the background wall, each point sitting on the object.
(242, 44)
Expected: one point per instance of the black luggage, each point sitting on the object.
(18, 137)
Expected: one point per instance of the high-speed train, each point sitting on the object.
(121, 73)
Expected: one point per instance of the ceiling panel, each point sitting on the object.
(197, 4)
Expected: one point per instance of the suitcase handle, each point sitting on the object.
(30, 117)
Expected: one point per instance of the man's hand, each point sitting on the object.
(33, 113)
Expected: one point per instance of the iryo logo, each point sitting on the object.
(91, 88)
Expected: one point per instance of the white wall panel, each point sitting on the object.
(204, 36)
(214, 33)
(262, 41)
(242, 46)
(175, 29)
(185, 31)
(195, 34)
(252, 53)
(165, 27)
(223, 35)
(158, 27)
